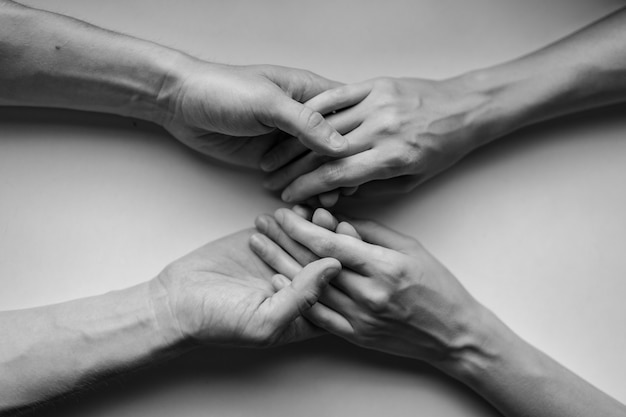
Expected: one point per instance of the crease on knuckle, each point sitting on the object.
(390, 122)
(331, 173)
(377, 301)
(325, 246)
(306, 301)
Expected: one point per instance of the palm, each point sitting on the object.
(223, 289)
(232, 113)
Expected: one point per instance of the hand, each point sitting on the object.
(400, 130)
(395, 297)
(235, 114)
(222, 293)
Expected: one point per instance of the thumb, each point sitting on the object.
(308, 126)
(295, 298)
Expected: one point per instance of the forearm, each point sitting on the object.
(52, 350)
(521, 381)
(50, 60)
(584, 70)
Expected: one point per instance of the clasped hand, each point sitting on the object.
(401, 132)
(391, 294)
(235, 114)
(222, 293)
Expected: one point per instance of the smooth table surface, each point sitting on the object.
(533, 225)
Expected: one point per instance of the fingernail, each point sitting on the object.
(299, 210)
(331, 272)
(261, 223)
(255, 241)
(286, 196)
(337, 141)
(279, 215)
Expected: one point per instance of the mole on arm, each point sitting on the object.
(57, 47)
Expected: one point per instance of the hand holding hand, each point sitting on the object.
(400, 130)
(222, 293)
(235, 114)
(395, 297)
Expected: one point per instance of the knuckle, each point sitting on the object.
(325, 246)
(338, 93)
(395, 270)
(384, 83)
(378, 301)
(307, 301)
(331, 173)
(390, 122)
(402, 159)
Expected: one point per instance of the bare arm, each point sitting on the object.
(393, 296)
(51, 350)
(219, 294)
(50, 60)
(403, 131)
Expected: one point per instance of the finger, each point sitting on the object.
(357, 255)
(346, 120)
(279, 179)
(274, 256)
(345, 228)
(347, 282)
(320, 314)
(282, 153)
(345, 172)
(287, 150)
(303, 85)
(303, 211)
(340, 97)
(378, 234)
(308, 126)
(329, 199)
(325, 219)
(360, 140)
(267, 225)
(302, 292)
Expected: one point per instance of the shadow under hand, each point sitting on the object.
(336, 378)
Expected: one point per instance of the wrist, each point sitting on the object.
(517, 94)
(167, 321)
(485, 349)
(48, 60)
(157, 85)
(494, 113)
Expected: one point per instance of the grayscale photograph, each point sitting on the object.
(288, 208)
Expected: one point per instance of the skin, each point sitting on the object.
(220, 294)
(230, 113)
(403, 131)
(394, 296)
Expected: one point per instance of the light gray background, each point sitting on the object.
(533, 225)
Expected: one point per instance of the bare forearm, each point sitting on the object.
(52, 350)
(50, 60)
(522, 381)
(584, 70)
